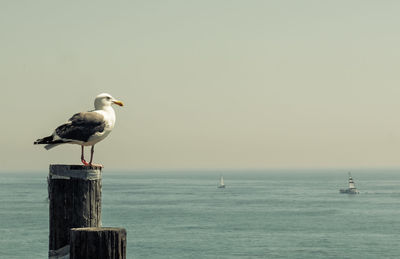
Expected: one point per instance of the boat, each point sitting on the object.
(352, 188)
(221, 182)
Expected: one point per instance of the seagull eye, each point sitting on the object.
(108, 98)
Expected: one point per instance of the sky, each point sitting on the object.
(211, 84)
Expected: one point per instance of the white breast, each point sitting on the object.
(109, 118)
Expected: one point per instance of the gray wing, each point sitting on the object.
(82, 126)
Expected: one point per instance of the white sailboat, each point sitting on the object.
(352, 187)
(221, 182)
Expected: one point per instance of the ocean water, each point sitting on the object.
(261, 214)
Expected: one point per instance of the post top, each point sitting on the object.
(77, 167)
(98, 229)
(60, 171)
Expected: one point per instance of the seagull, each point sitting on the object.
(85, 128)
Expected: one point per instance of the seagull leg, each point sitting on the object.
(82, 158)
(91, 157)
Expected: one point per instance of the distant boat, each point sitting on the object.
(352, 188)
(221, 182)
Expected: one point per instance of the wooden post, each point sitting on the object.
(75, 201)
(98, 243)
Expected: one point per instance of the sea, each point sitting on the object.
(260, 213)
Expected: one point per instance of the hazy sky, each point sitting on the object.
(207, 84)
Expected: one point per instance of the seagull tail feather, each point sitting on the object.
(49, 142)
(46, 140)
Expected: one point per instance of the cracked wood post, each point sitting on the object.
(98, 243)
(75, 201)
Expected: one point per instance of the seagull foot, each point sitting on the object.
(84, 162)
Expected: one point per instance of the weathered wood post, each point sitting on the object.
(98, 243)
(75, 201)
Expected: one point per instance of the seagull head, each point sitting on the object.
(105, 100)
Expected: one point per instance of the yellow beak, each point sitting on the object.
(118, 103)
